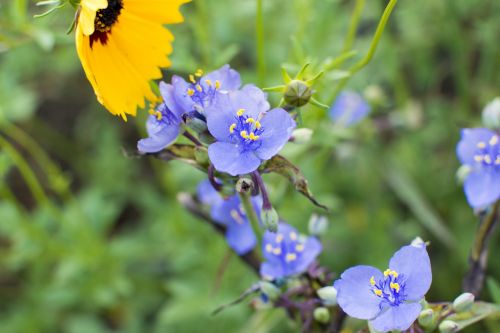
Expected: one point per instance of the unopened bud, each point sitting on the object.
(463, 302)
(318, 224)
(302, 135)
(448, 326)
(193, 121)
(201, 155)
(462, 173)
(297, 93)
(375, 95)
(322, 315)
(418, 242)
(491, 114)
(270, 219)
(328, 295)
(427, 318)
(270, 290)
(206, 138)
(244, 185)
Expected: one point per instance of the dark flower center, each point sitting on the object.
(104, 20)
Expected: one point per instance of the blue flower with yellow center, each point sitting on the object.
(287, 253)
(479, 149)
(390, 300)
(247, 133)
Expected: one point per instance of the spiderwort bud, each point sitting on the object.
(270, 290)
(427, 318)
(448, 326)
(491, 114)
(301, 135)
(463, 302)
(194, 122)
(462, 173)
(318, 225)
(328, 295)
(297, 93)
(244, 185)
(322, 315)
(270, 219)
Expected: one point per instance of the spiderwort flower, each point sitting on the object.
(246, 132)
(349, 108)
(229, 213)
(479, 149)
(163, 125)
(287, 253)
(389, 300)
(202, 91)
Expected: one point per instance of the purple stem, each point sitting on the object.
(266, 203)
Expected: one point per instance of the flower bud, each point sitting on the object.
(201, 155)
(491, 114)
(462, 173)
(322, 315)
(270, 219)
(418, 242)
(297, 93)
(463, 302)
(206, 138)
(244, 185)
(318, 225)
(328, 295)
(427, 318)
(270, 290)
(375, 95)
(195, 123)
(302, 135)
(448, 326)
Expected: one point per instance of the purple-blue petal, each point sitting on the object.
(354, 292)
(229, 78)
(467, 146)
(168, 94)
(349, 108)
(220, 117)
(227, 157)
(240, 237)
(397, 318)
(412, 263)
(271, 271)
(482, 187)
(258, 96)
(312, 248)
(181, 94)
(278, 126)
(207, 194)
(161, 135)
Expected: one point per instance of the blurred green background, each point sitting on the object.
(94, 241)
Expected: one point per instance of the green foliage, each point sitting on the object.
(93, 240)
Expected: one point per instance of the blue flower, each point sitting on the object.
(349, 108)
(163, 125)
(479, 149)
(202, 91)
(246, 132)
(389, 300)
(229, 213)
(287, 253)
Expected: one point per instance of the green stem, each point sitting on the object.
(261, 60)
(246, 202)
(373, 47)
(353, 26)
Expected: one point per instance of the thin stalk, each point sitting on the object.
(353, 25)
(266, 203)
(246, 202)
(259, 36)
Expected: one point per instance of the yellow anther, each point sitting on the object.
(269, 248)
(279, 238)
(290, 257)
(209, 82)
(190, 92)
(497, 161)
(159, 115)
(493, 140)
(217, 84)
(377, 292)
(293, 236)
(372, 280)
(244, 134)
(240, 112)
(487, 159)
(395, 286)
(199, 88)
(277, 251)
(253, 137)
(199, 73)
(299, 247)
(478, 158)
(257, 125)
(388, 272)
(250, 120)
(481, 145)
(152, 112)
(231, 128)
(191, 78)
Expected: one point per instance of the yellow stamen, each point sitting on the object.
(487, 159)
(299, 247)
(159, 115)
(257, 125)
(377, 292)
(279, 238)
(395, 286)
(388, 272)
(478, 158)
(253, 137)
(481, 145)
(269, 248)
(199, 88)
(494, 140)
(240, 112)
(277, 251)
(152, 112)
(250, 120)
(208, 82)
(290, 257)
(244, 134)
(497, 161)
(372, 280)
(217, 84)
(293, 236)
(231, 128)
(199, 73)
(190, 92)
(191, 78)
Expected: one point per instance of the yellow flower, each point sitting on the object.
(122, 44)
